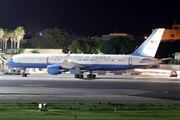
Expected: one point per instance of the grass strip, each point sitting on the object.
(90, 111)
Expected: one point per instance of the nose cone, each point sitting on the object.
(10, 63)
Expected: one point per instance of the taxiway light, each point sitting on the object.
(40, 105)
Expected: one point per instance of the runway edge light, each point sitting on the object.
(42, 107)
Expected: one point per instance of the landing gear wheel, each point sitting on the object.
(91, 76)
(24, 75)
(78, 76)
(81, 76)
(88, 76)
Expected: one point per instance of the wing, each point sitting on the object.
(67, 63)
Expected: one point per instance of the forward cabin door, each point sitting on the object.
(130, 61)
(19, 60)
(48, 60)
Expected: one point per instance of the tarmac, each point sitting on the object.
(64, 88)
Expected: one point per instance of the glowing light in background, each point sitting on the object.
(40, 34)
(145, 37)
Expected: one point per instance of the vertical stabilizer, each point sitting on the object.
(149, 47)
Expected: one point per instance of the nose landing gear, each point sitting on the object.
(24, 74)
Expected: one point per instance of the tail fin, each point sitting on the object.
(149, 47)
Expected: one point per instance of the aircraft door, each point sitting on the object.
(130, 61)
(19, 60)
(47, 59)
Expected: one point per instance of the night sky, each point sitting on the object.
(89, 17)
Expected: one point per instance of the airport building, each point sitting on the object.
(116, 34)
(44, 51)
(171, 34)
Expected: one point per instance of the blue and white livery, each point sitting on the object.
(78, 63)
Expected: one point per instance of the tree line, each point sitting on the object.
(56, 38)
(51, 38)
(14, 35)
(167, 49)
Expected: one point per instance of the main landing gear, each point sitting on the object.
(91, 76)
(78, 76)
(88, 76)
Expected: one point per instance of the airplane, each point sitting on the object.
(79, 63)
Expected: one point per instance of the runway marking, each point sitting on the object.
(166, 92)
(33, 85)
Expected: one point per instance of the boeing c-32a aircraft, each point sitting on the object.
(79, 63)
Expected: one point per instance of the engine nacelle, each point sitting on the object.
(55, 69)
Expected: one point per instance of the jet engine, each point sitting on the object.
(56, 69)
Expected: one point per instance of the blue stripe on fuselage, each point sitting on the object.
(10, 63)
(110, 67)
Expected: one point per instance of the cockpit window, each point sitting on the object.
(11, 59)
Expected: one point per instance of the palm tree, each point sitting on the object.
(12, 38)
(1, 32)
(35, 51)
(1, 37)
(6, 38)
(18, 50)
(19, 32)
(91, 45)
(2, 60)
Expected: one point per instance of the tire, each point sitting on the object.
(24, 75)
(94, 76)
(88, 76)
(81, 76)
(76, 76)
(91, 76)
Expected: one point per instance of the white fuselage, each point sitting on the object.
(84, 59)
